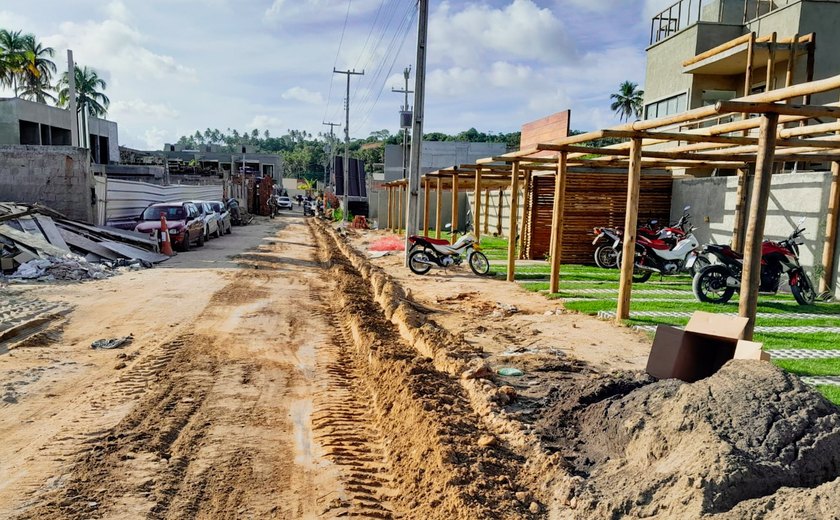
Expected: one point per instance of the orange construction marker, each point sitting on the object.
(165, 244)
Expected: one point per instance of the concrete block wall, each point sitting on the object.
(55, 176)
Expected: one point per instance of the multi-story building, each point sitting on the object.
(701, 51)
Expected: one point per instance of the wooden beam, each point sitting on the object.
(526, 207)
(806, 111)
(740, 210)
(390, 208)
(426, 194)
(630, 220)
(477, 206)
(809, 67)
(454, 208)
(750, 57)
(791, 63)
(399, 210)
(500, 206)
(751, 275)
(770, 82)
(557, 222)
(714, 51)
(514, 208)
(438, 206)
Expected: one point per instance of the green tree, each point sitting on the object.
(628, 101)
(89, 95)
(15, 59)
(36, 77)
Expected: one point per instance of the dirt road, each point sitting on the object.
(208, 413)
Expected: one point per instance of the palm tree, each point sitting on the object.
(89, 100)
(36, 78)
(89, 97)
(16, 59)
(628, 101)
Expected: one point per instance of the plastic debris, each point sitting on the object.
(105, 344)
(510, 371)
(388, 243)
(67, 267)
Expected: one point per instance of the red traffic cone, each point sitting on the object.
(165, 244)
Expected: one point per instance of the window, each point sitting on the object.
(666, 107)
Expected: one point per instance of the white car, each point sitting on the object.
(284, 203)
(211, 221)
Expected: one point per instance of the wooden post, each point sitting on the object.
(628, 256)
(399, 216)
(499, 212)
(809, 67)
(454, 208)
(514, 208)
(749, 71)
(526, 208)
(487, 212)
(740, 211)
(426, 190)
(830, 244)
(557, 222)
(771, 65)
(751, 275)
(477, 205)
(390, 209)
(791, 63)
(438, 206)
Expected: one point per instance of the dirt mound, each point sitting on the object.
(684, 450)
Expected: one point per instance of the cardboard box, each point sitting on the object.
(707, 343)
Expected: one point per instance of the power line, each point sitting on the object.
(337, 53)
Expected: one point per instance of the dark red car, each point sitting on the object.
(183, 219)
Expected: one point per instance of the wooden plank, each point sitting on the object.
(514, 208)
(791, 63)
(50, 231)
(37, 242)
(477, 205)
(526, 207)
(438, 206)
(807, 111)
(630, 223)
(85, 244)
(132, 252)
(454, 208)
(751, 275)
(714, 51)
(770, 83)
(487, 212)
(390, 209)
(557, 223)
(426, 207)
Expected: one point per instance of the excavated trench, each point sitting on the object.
(750, 441)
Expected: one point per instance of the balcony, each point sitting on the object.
(685, 13)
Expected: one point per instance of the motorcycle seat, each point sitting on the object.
(435, 241)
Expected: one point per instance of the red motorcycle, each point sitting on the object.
(719, 281)
(608, 242)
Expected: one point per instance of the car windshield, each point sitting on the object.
(285, 199)
(171, 212)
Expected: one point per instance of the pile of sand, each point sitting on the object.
(732, 443)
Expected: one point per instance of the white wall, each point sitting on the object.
(127, 199)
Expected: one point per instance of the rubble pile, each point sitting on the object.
(37, 243)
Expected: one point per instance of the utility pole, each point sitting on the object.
(405, 108)
(411, 220)
(347, 139)
(332, 153)
(71, 94)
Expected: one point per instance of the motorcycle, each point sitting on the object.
(309, 208)
(609, 242)
(673, 251)
(426, 253)
(719, 281)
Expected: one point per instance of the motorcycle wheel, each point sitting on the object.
(701, 263)
(606, 257)
(479, 263)
(639, 275)
(710, 285)
(416, 262)
(803, 290)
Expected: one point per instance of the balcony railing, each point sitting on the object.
(685, 13)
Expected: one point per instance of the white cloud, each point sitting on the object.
(303, 95)
(137, 107)
(154, 138)
(266, 122)
(281, 11)
(117, 10)
(478, 33)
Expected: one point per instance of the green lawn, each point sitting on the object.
(575, 279)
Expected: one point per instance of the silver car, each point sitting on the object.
(211, 222)
(223, 216)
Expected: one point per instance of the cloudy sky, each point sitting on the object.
(174, 66)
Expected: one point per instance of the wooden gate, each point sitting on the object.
(592, 199)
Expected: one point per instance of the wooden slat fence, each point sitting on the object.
(592, 199)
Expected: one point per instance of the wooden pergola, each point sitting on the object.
(765, 129)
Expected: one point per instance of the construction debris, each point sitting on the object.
(37, 243)
(107, 344)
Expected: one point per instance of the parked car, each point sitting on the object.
(284, 203)
(184, 221)
(225, 222)
(211, 223)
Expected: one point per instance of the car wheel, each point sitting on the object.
(229, 229)
(200, 242)
(218, 232)
(185, 243)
